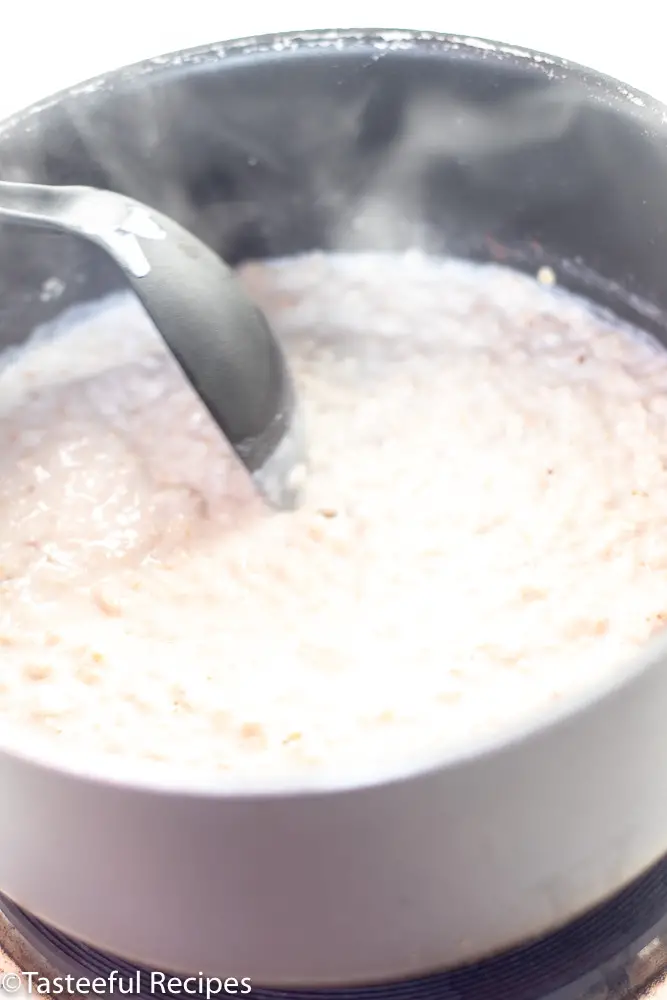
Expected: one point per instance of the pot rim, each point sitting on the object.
(128, 776)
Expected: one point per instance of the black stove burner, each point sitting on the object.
(593, 958)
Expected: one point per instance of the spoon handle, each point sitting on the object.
(38, 204)
(111, 220)
(41, 205)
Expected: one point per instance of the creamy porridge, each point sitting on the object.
(485, 528)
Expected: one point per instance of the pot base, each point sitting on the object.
(611, 953)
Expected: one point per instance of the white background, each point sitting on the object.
(45, 46)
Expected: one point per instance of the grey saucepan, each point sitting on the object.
(272, 146)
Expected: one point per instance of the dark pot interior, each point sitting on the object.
(356, 144)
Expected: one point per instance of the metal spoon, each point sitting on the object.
(220, 339)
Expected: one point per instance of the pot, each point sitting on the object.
(357, 140)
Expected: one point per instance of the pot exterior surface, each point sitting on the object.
(354, 886)
(278, 146)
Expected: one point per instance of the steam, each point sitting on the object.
(447, 127)
(439, 131)
(348, 171)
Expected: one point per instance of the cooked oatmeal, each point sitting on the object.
(484, 531)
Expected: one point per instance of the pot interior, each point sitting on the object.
(350, 142)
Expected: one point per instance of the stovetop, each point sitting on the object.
(618, 951)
